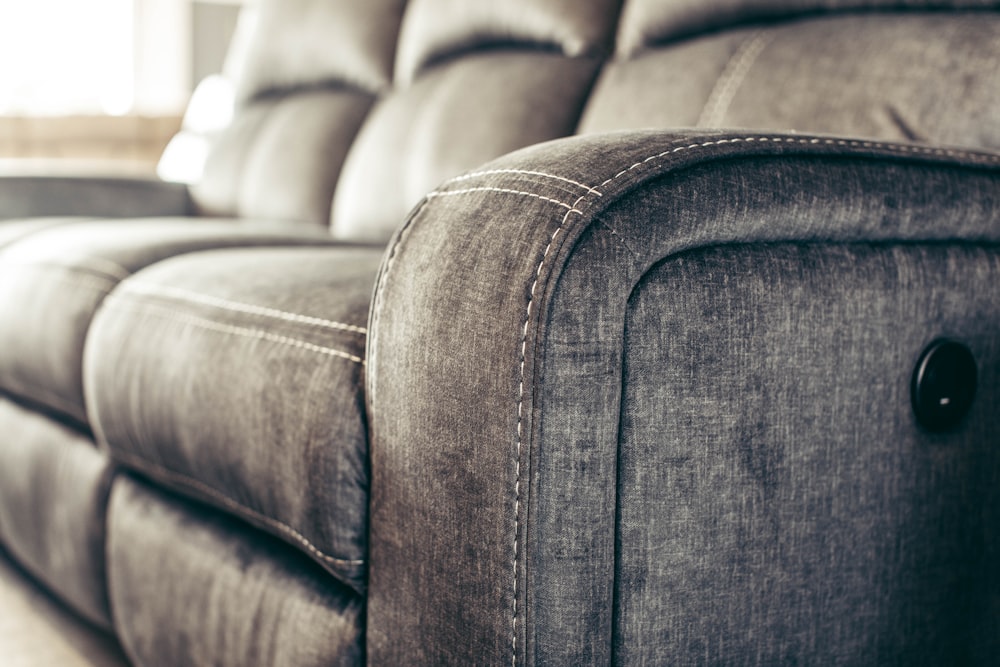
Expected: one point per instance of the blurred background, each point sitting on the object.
(101, 85)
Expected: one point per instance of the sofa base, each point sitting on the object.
(191, 586)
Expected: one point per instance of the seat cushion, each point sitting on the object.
(53, 280)
(235, 377)
(54, 489)
(191, 586)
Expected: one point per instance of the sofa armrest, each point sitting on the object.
(495, 363)
(28, 196)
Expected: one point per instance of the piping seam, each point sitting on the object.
(918, 150)
(245, 332)
(524, 172)
(450, 193)
(139, 287)
(239, 508)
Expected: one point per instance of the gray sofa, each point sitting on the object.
(622, 386)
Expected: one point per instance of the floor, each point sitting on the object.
(37, 631)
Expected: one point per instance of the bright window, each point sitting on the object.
(94, 56)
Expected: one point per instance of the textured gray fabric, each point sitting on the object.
(313, 43)
(313, 71)
(236, 377)
(646, 23)
(193, 587)
(778, 502)
(15, 230)
(52, 282)
(452, 119)
(908, 77)
(434, 29)
(281, 159)
(522, 305)
(53, 493)
(35, 196)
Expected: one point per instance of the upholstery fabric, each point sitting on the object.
(855, 75)
(53, 281)
(549, 243)
(281, 157)
(433, 30)
(649, 22)
(243, 387)
(777, 500)
(15, 230)
(455, 117)
(313, 70)
(194, 587)
(36, 196)
(53, 493)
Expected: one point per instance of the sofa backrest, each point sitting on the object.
(312, 72)
(349, 112)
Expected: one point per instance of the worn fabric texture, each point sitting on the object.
(435, 30)
(313, 70)
(37, 196)
(549, 243)
(456, 116)
(190, 586)
(236, 376)
(648, 22)
(777, 501)
(53, 493)
(53, 281)
(856, 75)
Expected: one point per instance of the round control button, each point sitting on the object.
(943, 385)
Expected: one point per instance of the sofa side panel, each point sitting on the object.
(495, 357)
(778, 501)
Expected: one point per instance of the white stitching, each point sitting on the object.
(847, 143)
(239, 508)
(573, 209)
(450, 193)
(210, 325)
(136, 286)
(525, 172)
(731, 77)
(520, 416)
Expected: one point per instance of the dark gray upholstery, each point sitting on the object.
(637, 396)
(204, 590)
(284, 446)
(35, 196)
(569, 230)
(53, 494)
(56, 278)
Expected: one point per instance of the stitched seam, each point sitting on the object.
(520, 418)
(814, 141)
(915, 150)
(45, 396)
(240, 508)
(465, 191)
(731, 77)
(135, 286)
(525, 172)
(246, 332)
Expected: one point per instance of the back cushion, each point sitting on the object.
(474, 79)
(906, 75)
(312, 73)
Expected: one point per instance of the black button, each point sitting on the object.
(944, 385)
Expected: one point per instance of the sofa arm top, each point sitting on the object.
(495, 346)
(27, 196)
